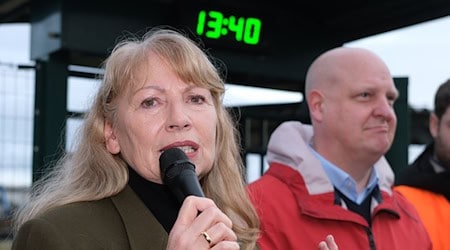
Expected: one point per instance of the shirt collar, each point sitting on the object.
(344, 182)
(438, 168)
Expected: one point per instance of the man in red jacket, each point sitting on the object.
(331, 177)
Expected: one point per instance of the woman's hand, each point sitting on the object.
(201, 225)
(328, 244)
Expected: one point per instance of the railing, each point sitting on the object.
(16, 139)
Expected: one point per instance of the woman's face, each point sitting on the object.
(162, 113)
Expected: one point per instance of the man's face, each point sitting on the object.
(361, 116)
(441, 135)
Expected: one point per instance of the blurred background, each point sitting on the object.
(50, 52)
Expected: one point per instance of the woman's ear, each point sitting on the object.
(433, 124)
(315, 105)
(111, 141)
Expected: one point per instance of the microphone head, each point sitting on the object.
(178, 172)
(170, 156)
(174, 162)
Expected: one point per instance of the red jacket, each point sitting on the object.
(297, 208)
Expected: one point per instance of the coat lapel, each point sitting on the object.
(143, 230)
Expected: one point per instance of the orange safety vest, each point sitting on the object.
(434, 210)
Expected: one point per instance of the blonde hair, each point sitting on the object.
(92, 173)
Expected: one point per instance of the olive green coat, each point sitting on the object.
(119, 222)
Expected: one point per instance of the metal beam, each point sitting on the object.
(50, 114)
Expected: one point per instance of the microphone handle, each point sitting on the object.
(185, 184)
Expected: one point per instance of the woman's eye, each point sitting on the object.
(147, 103)
(199, 99)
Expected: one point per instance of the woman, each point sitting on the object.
(157, 93)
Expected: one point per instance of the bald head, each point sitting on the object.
(343, 64)
(351, 95)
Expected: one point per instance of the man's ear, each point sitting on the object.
(315, 105)
(433, 124)
(111, 141)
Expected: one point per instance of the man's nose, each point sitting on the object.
(385, 109)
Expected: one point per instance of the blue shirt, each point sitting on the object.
(344, 182)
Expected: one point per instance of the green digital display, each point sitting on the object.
(214, 25)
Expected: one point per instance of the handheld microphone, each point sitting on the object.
(178, 172)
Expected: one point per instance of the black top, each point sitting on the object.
(157, 198)
(421, 174)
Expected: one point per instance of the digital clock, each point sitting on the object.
(214, 24)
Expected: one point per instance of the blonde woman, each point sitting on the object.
(158, 92)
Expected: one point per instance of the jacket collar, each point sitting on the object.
(288, 145)
(138, 219)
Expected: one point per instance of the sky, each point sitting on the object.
(15, 43)
(419, 52)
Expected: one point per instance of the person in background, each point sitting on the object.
(332, 177)
(157, 93)
(426, 183)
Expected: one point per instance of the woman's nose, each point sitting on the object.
(177, 117)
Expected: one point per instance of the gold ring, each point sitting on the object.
(206, 235)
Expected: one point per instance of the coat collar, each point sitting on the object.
(143, 229)
(288, 145)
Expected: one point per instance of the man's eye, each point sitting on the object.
(365, 94)
(391, 100)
